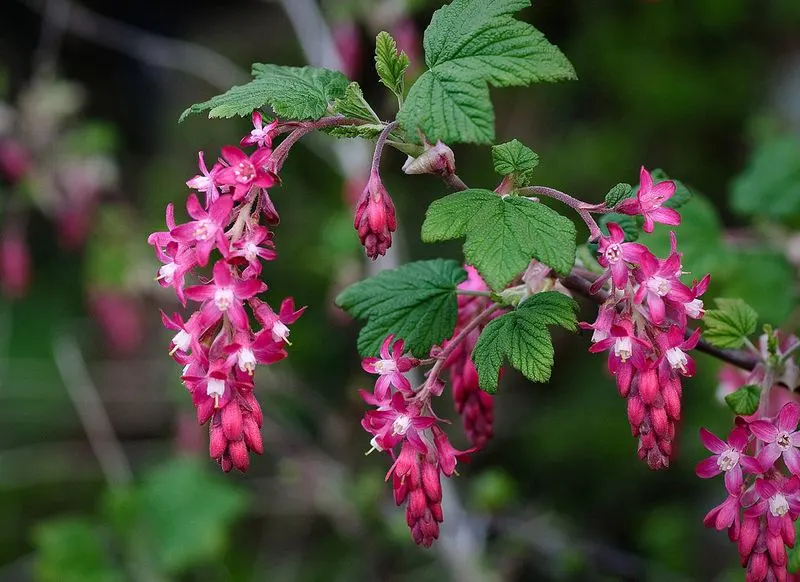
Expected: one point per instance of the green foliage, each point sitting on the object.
(91, 138)
(515, 159)
(770, 185)
(72, 550)
(730, 324)
(292, 92)
(182, 511)
(416, 302)
(502, 233)
(469, 45)
(391, 64)
(353, 104)
(617, 194)
(366, 131)
(745, 400)
(523, 338)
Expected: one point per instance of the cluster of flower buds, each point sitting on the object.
(643, 324)
(475, 406)
(219, 345)
(761, 466)
(404, 418)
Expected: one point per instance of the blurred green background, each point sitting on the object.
(708, 90)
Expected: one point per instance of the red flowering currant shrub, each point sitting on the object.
(442, 324)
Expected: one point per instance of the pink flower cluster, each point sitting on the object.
(475, 406)
(643, 325)
(760, 462)
(403, 417)
(218, 345)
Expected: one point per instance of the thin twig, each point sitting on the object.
(91, 412)
(153, 49)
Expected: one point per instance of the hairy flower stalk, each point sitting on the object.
(643, 325)
(231, 331)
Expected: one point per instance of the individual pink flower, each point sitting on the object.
(252, 247)
(781, 438)
(246, 172)
(277, 323)
(390, 367)
(778, 502)
(614, 256)
(260, 135)
(398, 423)
(658, 283)
(728, 458)
(375, 218)
(206, 181)
(674, 346)
(649, 200)
(626, 352)
(224, 296)
(208, 228)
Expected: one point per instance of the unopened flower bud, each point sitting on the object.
(436, 159)
(375, 218)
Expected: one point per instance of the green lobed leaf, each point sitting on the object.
(502, 234)
(72, 550)
(617, 194)
(353, 104)
(515, 158)
(292, 92)
(745, 400)
(416, 302)
(522, 336)
(469, 45)
(730, 324)
(770, 184)
(390, 63)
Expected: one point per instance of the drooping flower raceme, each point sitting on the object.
(642, 323)
(220, 345)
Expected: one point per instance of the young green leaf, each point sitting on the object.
(391, 64)
(730, 324)
(617, 194)
(745, 400)
(502, 234)
(469, 45)
(416, 302)
(515, 158)
(770, 185)
(353, 104)
(522, 336)
(366, 131)
(292, 92)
